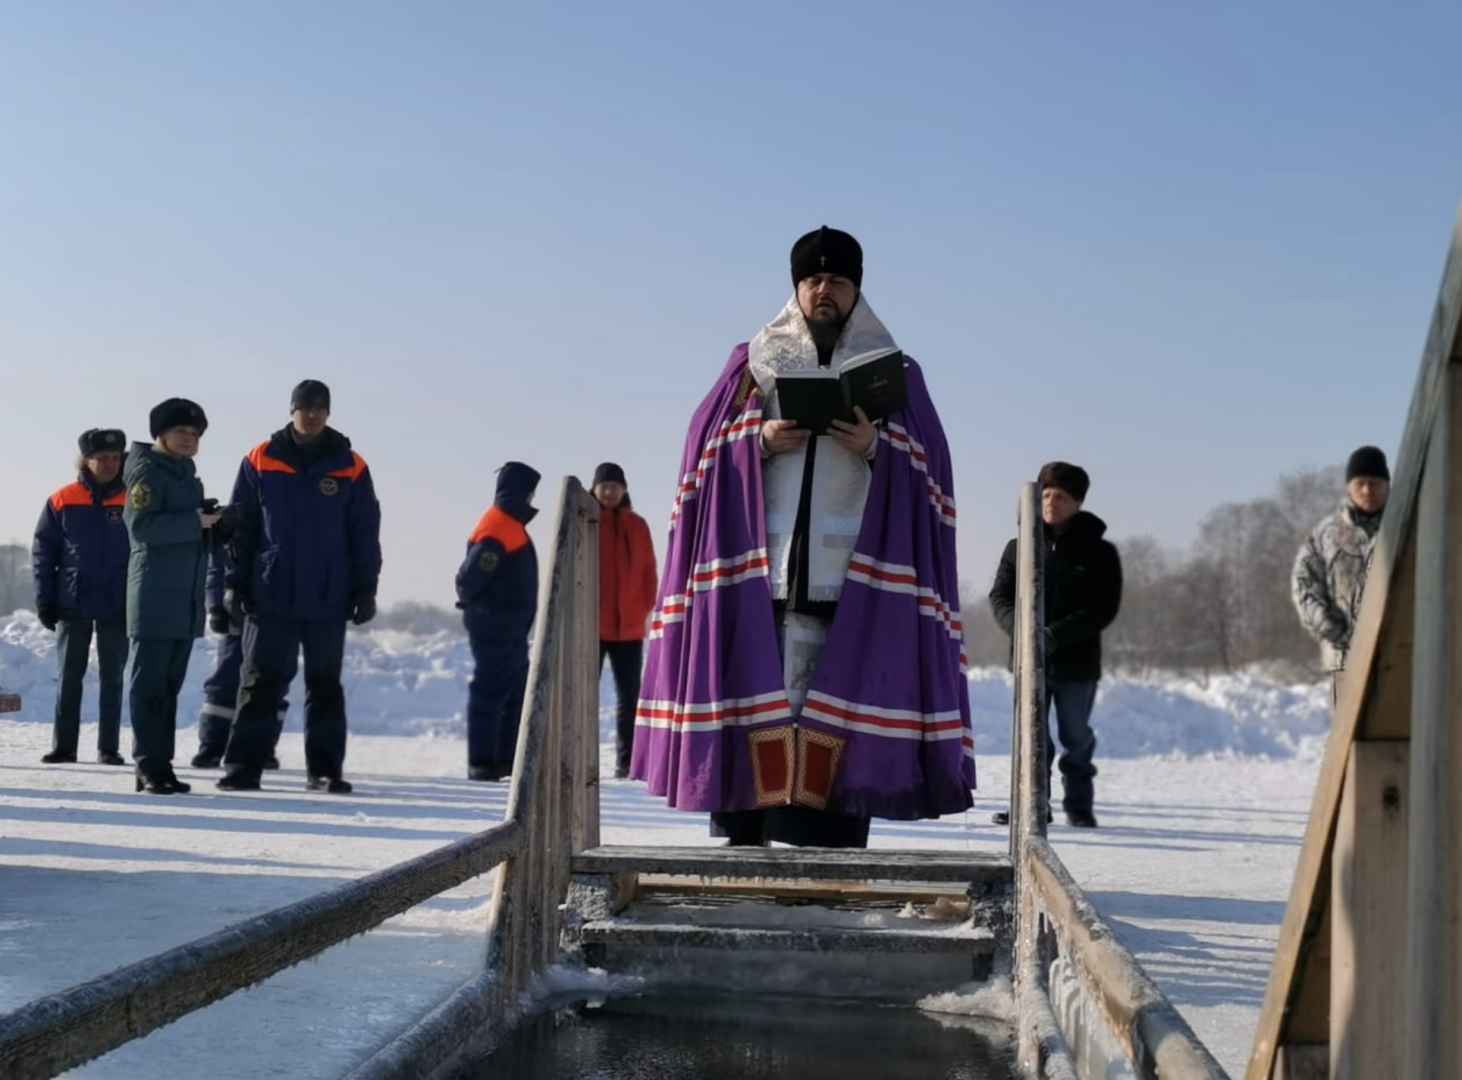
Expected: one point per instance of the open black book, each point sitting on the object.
(818, 396)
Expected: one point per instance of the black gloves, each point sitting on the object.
(363, 607)
(226, 525)
(218, 620)
(49, 614)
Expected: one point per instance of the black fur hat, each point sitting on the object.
(176, 412)
(94, 441)
(1071, 479)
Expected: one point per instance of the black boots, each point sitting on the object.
(59, 757)
(239, 780)
(162, 781)
(207, 759)
(109, 757)
(332, 784)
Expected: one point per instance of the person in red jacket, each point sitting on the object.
(628, 581)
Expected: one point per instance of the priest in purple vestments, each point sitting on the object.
(805, 669)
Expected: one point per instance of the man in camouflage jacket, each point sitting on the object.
(1330, 570)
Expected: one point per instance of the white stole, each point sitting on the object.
(839, 478)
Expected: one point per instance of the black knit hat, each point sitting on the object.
(609, 473)
(310, 392)
(176, 412)
(94, 441)
(827, 251)
(1368, 461)
(1071, 479)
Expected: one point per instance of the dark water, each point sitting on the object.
(707, 1037)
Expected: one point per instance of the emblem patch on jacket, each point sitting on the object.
(329, 485)
(114, 514)
(487, 561)
(141, 495)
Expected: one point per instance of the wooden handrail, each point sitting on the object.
(1053, 916)
(552, 807)
(57, 1032)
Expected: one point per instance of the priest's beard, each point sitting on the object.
(825, 334)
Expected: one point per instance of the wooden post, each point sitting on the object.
(1434, 872)
(1368, 927)
(1028, 776)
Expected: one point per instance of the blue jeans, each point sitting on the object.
(1073, 702)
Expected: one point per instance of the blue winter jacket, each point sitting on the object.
(308, 540)
(79, 554)
(497, 583)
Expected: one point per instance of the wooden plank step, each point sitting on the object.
(824, 939)
(9, 702)
(670, 888)
(791, 864)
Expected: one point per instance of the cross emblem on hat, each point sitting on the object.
(823, 261)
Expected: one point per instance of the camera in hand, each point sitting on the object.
(210, 506)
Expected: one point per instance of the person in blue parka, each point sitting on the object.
(79, 560)
(497, 590)
(307, 557)
(221, 688)
(172, 529)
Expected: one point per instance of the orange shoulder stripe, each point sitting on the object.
(353, 470)
(264, 463)
(497, 524)
(73, 494)
(119, 499)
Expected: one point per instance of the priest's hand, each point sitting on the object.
(780, 436)
(857, 438)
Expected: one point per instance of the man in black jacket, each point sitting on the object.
(1083, 587)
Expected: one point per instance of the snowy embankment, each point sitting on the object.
(398, 683)
(1203, 796)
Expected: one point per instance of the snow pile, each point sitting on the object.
(994, 999)
(399, 683)
(1241, 715)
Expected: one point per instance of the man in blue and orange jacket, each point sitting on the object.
(79, 560)
(497, 590)
(307, 557)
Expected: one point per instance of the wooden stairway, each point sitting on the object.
(869, 923)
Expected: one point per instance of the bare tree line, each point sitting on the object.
(1219, 606)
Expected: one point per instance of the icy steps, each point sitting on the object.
(871, 923)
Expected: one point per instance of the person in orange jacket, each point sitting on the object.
(628, 580)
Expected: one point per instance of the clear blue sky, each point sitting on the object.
(1190, 246)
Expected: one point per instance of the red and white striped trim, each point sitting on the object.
(716, 574)
(897, 578)
(719, 573)
(710, 715)
(672, 610)
(888, 723)
(899, 438)
(743, 426)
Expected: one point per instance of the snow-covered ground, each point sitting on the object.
(1203, 796)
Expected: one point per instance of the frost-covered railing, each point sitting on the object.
(554, 800)
(553, 807)
(1084, 1006)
